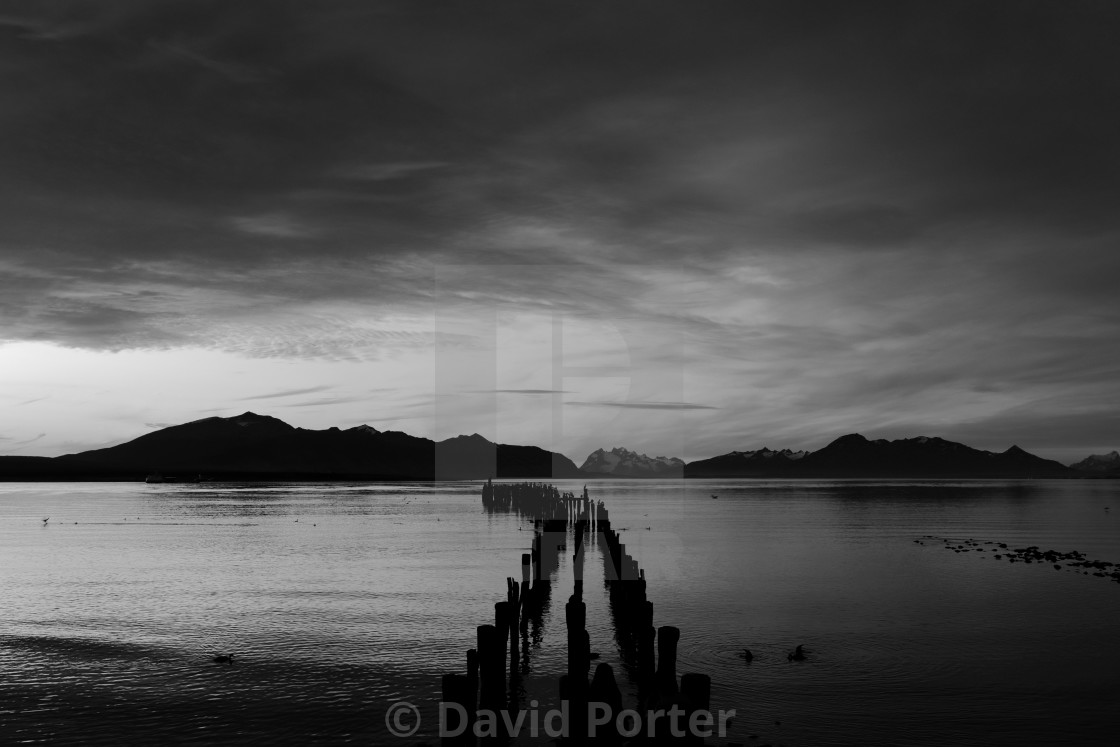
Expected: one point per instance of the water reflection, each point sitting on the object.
(338, 599)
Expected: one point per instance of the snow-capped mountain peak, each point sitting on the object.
(626, 463)
(1100, 462)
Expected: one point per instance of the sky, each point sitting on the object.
(684, 228)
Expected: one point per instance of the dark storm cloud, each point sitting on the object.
(180, 130)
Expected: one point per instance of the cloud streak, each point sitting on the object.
(289, 392)
(645, 405)
(19, 445)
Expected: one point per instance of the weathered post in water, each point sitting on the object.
(472, 676)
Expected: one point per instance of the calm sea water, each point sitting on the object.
(338, 600)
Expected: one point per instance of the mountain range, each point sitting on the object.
(760, 462)
(619, 462)
(251, 446)
(260, 447)
(856, 456)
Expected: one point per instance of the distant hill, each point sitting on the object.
(924, 457)
(473, 457)
(855, 456)
(1100, 464)
(619, 462)
(251, 446)
(758, 463)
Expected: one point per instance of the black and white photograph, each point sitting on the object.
(741, 373)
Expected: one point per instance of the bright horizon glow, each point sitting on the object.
(125, 394)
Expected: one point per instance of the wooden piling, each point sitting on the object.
(472, 675)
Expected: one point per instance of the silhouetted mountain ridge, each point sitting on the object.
(854, 455)
(251, 446)
(757, 463)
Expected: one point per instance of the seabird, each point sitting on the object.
(747, 655)
(223, 659)
(796, 655)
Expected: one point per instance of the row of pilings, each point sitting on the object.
(492, 681)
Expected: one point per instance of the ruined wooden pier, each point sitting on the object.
(492, 679)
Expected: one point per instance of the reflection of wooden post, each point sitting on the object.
(536, 555)
(492, 668)
(456, 689)
(647, 634)
(575, 692)
(605, 690)
(574, 688)
(575, 615)
(501, 620)
(696, 692)
(513, 596)
(667, 638)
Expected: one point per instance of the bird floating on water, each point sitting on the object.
(46, 520)
(798, 654)
(223, 659)
(747, 656)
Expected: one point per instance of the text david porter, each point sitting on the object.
(600, 719)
